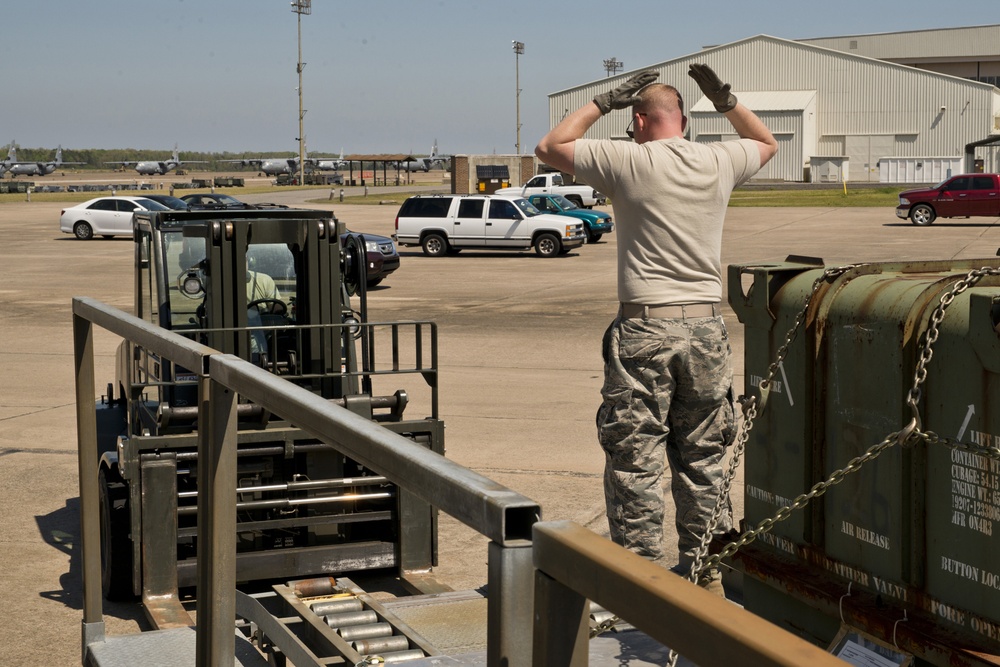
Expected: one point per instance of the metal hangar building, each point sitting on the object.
(907, 107)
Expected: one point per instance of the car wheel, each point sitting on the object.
(83, 231)
(922, 214)
(434, 245)
(593, 237)
(116, 547)
(576, 200)
(547, 245)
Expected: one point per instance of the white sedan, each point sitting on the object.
(107, 216)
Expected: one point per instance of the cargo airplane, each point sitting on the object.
(22, 168)
(424, 163)
(281, 165)
(161, 167)
(9, 160)
(328, 164)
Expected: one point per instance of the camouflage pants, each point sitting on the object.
(667, 395)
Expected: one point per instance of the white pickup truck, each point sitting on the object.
(583, 196)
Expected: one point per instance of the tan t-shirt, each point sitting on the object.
(669, 198)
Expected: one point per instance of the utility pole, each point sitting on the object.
(518, 51)
(301, 7)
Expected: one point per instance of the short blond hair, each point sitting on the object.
(659, 97)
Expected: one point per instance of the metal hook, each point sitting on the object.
(907, 432)
(902, 620)
(841, 603)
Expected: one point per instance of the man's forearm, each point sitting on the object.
(749, 126)
(556, 148)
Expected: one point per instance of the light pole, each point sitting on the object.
(613, 66)
(301, 7)
(518, 50)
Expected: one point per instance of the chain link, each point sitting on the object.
(604, 626)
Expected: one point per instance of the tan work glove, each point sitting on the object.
(710, 84)
(626, 94)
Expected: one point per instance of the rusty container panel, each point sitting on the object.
(867, 336)
(962, 401)
(767, 305)
(911, 530)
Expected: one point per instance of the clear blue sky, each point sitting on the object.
(382, 76)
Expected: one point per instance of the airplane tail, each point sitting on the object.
(58, 160)
(176, 156)
(12, 153)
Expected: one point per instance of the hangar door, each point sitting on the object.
(864, 150)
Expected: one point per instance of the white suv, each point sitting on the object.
(448, 223)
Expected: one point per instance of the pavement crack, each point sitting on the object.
(36, 412)
(4, 451)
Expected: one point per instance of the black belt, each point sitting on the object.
(675, 311)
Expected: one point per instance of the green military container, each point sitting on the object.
(908, 535)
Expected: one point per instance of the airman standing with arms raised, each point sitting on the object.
(667, 390)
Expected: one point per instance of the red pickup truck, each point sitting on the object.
(961, 196)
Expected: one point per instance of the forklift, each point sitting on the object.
(284, 290)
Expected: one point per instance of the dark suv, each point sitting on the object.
(382, 257)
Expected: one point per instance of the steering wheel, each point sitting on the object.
(277, 307)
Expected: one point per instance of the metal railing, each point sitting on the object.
(500, 514)
(540, 574)
(574, 565)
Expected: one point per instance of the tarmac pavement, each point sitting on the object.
(519, 341)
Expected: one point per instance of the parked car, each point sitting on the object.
(961, 196)
(215, 201)
(382, 257)
(597, 223)
(442, 224)
(107, 216)
(169, 201)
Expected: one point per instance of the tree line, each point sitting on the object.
(95, 158)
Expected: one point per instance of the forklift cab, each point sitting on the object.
(271, 288)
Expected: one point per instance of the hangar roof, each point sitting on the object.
(954, 44)
(760, 40)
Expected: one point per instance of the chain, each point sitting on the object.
(601, 628)
(749, 406)
(933, 330)
(750, 413)
(908, 435)
(827, 276)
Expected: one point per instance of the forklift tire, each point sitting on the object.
(116, 547)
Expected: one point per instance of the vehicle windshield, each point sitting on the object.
(172, 202)
(526, 207)
(226, 199)
(564, 203)
(151, 205)
(184, 262)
